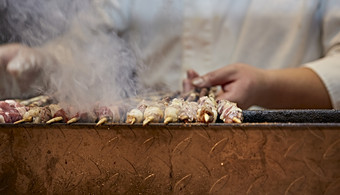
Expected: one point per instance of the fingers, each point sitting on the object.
(217, 77)
(191, 74)
(187, 86)
(187, 83)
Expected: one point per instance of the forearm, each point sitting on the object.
(294, 88)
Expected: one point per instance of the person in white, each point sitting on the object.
(274, 54)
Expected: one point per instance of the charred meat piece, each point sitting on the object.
(229, 112)
(207, 110)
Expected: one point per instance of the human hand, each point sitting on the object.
(187, 83)
(240, 83)
(21, 65)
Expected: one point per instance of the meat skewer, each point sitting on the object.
(58, 114)
(36, 115)
(171, 112)
(229, 112)
(36, 101)
(154, 113)
(207, 111)
(188, 112)
(11, 111)
(89, 117)
(136, 115)
(106, 114)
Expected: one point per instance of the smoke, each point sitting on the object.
(92, 64)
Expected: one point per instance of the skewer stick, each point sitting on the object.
(55, 119)
(236, 120)
(29, 119)
(102, 121)
(72, 120)
(167, 120)
(206, 117)
(133, 120)
(148, 120)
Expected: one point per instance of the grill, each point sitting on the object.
(272, 152)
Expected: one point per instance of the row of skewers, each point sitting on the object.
(197, 106)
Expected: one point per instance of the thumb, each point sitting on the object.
(217, 77)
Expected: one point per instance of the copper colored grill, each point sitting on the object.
(272, 152)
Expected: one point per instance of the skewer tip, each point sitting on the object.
(72, 120)
(29, 119)
(206, 117)
(236, 120)
(147, 120)
(101, 121)
(55, 119)
(167, 120)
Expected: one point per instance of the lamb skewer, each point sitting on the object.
(106, 114)
(188, 112)
(58, 114)
(172, 111)
(36, 101)
(89, 117)
(136, 115)
(154, 113)
(11, 111)
(229, 112)
(36, 115)
(207, 111)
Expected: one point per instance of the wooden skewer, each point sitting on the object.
(206, 117)
(102, 121)
(29, 119)
(236, 120)
(148, 120)
(133, 120)
(167, 120)
(72, 120)
(55, 119)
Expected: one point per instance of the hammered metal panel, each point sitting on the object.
(174, 159)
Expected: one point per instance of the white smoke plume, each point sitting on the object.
(93, 63)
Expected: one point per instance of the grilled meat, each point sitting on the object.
(229, 112)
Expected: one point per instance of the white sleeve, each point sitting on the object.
(328, 67)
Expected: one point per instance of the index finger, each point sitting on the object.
(218, 77)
